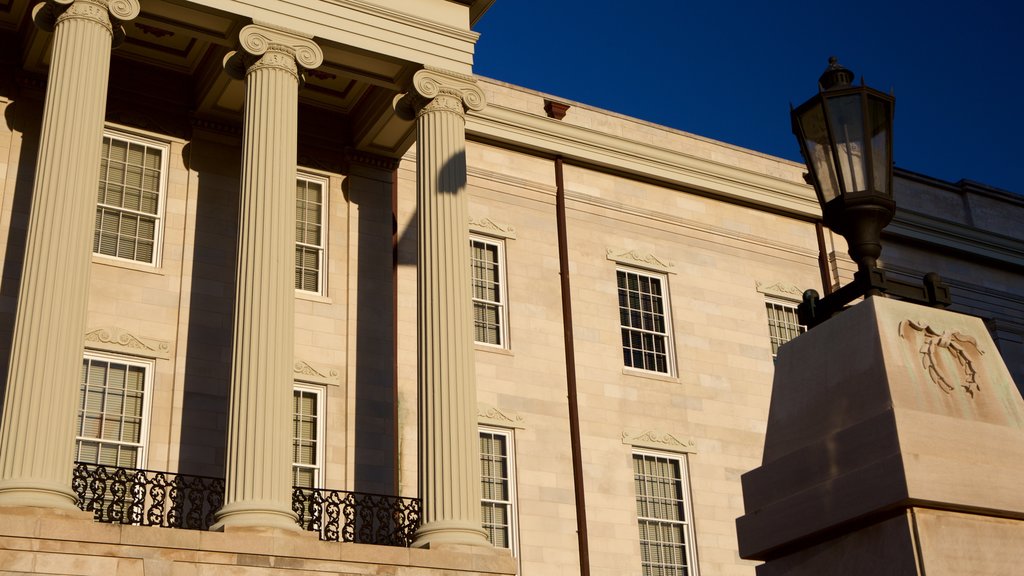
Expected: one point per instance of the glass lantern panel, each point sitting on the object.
(818, 151)
(846, 119)
(879, 114)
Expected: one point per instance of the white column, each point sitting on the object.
(37, 438)
(259, 460)
(449, 451)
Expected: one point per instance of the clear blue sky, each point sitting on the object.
(728, 69)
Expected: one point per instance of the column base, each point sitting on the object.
(450, 532)
(243, 514)
(37, 494)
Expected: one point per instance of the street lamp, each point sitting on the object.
(845, 136)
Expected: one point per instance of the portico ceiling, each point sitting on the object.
(192, 38)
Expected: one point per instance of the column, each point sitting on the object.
(259, 482)
(449, 451)
(37, 438)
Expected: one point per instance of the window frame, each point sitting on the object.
(669, 341)
(513, 524)
(159, 216)
(789, 306)
(324, 182)
(149, 366)
(503, 315)
(689, 533)
(319, 469)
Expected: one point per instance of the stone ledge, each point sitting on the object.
(42, 541)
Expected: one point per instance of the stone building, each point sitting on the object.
(300, 261)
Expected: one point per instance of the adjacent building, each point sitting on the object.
(300, 265)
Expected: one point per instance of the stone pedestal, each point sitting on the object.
(895, 445)
(259, 483)
(37, 438)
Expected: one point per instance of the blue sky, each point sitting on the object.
(728, 69)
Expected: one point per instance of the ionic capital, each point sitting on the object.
(266, 47)
(436, 89)
(107, 13)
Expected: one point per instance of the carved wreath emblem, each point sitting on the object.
(946, 356)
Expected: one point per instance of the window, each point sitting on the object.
(497, 497)
(783, 324)
(489, 311)
(309, 234)
(307, 430)
(111, 411)
(662, 509)
(643, 315)
(129, 200)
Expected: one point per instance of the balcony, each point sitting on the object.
(152, 498)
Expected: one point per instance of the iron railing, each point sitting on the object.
(152, 498)
(147, 497)
(341, 516)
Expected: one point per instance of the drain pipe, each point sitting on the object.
(570, 373)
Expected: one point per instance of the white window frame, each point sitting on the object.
(513, 528)
(788, 306)
(158, 228)
(503, 331)
(687, 500)
(670, 368)
(147, 399)
(324, 183)
(321, 396)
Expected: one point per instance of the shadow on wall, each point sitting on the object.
(208, 356)
(25, 117)
(374, 388)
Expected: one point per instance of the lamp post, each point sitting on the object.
(845, 136)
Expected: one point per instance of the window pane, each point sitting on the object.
(495, 488)
(664, 531)
(305, 447)
(783, 325)
(129, 188)
(109, 419)
(308, 234)
(488, 301)
(644, 325)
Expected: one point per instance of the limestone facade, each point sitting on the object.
(414, 157)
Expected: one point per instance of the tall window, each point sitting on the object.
(129, 199)
(307, 431)
(783, 324)
(643, 315)
(662, 509)
(490, 315)
(496, 504)
(309, 234)
(111, 411)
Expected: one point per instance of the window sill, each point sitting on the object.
(313, 297)
(127, 264)
(492, 349)
(649, 375)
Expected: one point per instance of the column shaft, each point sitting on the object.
(258, 491)
(449, 452)
(37, 435)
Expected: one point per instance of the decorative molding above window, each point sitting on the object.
(492, 228)
(316, 373)
(120, 341)
(488, 414)
(658, 440)
(638, 259)
(783, 290)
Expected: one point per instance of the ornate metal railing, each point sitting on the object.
(340, 516)
(147, 497)
(152, 498)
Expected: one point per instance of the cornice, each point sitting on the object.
(659, 440)
(497, 123)
(972, 241)
(636, 258)
(783, 290)
(366, 26)
(316, 373)
(488, 414)
(492, 228)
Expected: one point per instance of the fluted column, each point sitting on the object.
(449, 451)
(259, 460)
(37, 438)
